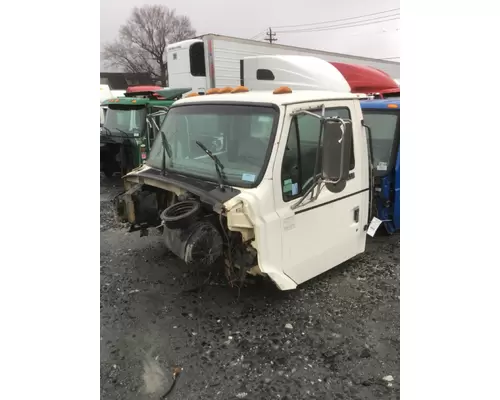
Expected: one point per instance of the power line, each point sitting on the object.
(330, 27)
(347, 24)
(335, 27)
(257, 35)
(338, 20)
(379, 32)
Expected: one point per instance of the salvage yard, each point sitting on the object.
(335, 337)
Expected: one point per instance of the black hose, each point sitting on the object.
(176, 373)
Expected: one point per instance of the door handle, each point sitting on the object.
(356, 214)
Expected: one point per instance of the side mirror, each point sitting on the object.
(336, 157)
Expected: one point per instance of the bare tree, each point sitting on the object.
(143, 39)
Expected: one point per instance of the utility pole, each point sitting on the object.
(271, 37)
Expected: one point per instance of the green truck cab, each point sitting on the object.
(131, 124)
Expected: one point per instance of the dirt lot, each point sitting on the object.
(336, 337)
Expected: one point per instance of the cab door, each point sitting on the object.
(319, 234)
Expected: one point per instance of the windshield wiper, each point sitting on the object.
(219, 167)
(123, 133)
(106, 130)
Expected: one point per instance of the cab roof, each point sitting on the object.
(298, 96)
(380, 104)
(166, 96)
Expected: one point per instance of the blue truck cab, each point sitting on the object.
(382, 117)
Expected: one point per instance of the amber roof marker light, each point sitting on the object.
(212, 91)
(240, 89)
(282, 90)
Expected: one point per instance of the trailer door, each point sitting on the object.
(186, 66)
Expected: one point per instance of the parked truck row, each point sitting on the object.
(122, 145)
(215, 61)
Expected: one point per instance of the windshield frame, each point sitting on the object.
(267, 157)
(395, 144)
(128, 108)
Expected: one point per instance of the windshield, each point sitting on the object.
(383, 127)
(240, 137)
(130, 120)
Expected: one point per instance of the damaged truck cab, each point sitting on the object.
(275, 183)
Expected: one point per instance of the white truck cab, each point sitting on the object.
(274, 182)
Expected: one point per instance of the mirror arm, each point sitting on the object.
(314, 196)
(315, 173)
(294, 206)
(153, 122)
(150, 117)
(305, 111)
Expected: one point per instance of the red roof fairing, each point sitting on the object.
(141, 89)
(144, 91)
(364, 79)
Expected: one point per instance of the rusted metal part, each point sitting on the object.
(156, 183)
(245, 258)
(129, 202)
(138, 208)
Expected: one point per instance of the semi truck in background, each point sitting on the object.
(106, 94)
(382, 116)
(214, 61)
(289, 192)
(305, 72)
(131, 124)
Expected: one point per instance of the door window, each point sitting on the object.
(299, 160)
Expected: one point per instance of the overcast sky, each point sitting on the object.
(249, 18)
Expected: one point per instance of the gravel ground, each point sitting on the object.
(335, 337)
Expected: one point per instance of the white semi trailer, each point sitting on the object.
(214, 61)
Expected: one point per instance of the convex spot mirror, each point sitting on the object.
(336, 156)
